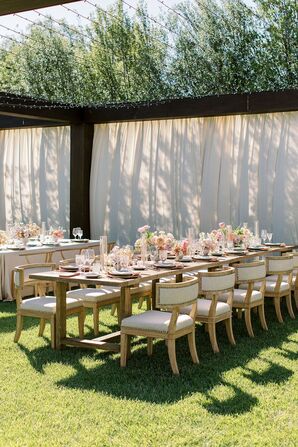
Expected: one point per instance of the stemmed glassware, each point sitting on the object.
(80, 232)
(269, 236)
(264, 235)
(75, 232)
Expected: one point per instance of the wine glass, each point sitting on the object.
(75, 232)
(269, 236)
(80, 232)
(264, 235)
(79, 260)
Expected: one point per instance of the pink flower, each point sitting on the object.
(222, 225)
(143, 229)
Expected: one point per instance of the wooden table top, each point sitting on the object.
(157, 273)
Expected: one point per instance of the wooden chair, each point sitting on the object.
(43, 307)
(211, 311)
(282, 268)
(294, 285)
(249, 274)
(168, 325)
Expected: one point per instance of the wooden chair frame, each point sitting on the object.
(248, 304)
(212, 319)
(278, 294)
(44, 316)
(172, 333)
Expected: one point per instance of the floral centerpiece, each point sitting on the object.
(237, 236)
(3, 237)
(208, 242)
(180, 248)
(25, 231)
(120, 257)
(57, 233)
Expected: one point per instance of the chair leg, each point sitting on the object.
(239, 314)
(42, 325)
(113, 309)
(81, 321)
(229, 329)
(296, 298)
(247, 317)
(192, 347)
(19, 328)
(95, 320)
(149, 346)
(172, 356)
(123, 350)
(149, 302)
(277, 309)
(212, 336)
(53, 332)
(141, 300)
(118, 313)
(261, 310)
(289, 305)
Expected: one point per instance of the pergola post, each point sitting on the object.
(80, 166)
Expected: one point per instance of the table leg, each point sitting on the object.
(61, 288)
(126, 311)
(153, 294)
(179, 278)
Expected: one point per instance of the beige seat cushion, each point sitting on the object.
(154, 320)
(270, 286)
(239, 296)
(284, 278)
(47, 304)
(203, 308)
(89, 294)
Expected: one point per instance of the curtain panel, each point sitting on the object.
(194, 173)
(34, 176)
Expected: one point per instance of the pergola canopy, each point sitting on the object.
(13, 6)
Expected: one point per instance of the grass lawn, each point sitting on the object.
(247, 395)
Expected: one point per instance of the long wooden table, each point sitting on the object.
(107, 342)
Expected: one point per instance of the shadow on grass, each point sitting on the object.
(151, 380)
(8, 323)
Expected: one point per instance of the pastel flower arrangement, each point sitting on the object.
(159, 239)
(3, 237)
(24, 231)
(57, 233)
(238, 235)
(181, 248)
(208, 242)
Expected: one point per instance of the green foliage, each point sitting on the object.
(214, 48)
(244, 396)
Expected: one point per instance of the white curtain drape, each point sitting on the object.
(181, 173)
(34, 176)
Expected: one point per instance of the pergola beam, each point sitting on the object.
(13, 6)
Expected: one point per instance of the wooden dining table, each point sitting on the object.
(110, 342)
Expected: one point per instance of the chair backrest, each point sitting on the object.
(172, 294)
(23, 271)
(295, 259)
(220, 280)
(279, 264)
(250, 272)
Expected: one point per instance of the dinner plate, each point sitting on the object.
(273, 244)
(204, 258)
(69, 268)
(186, 259)
(81, 240)
(92, 275)
(125, 275)
(237, 252)
(165, 265)
(16, 248)
(51, 244)
(139, 267)
(258, 248)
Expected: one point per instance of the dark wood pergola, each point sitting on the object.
(20, 111)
